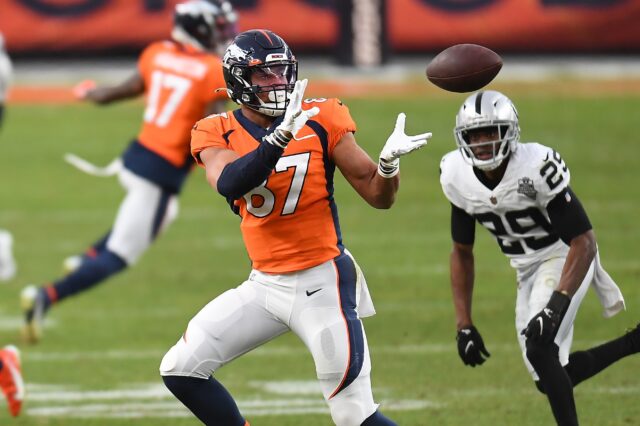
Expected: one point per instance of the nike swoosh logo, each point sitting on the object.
(468, 347)
(541, 325)
(309, 293)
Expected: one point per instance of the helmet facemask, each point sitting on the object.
(499, 147)
(487, 111)
(258, 94)
(260, 72)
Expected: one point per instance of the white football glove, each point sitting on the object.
(397, 145)
(294, 117)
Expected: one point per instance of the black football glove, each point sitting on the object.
(544, 326)
(471, 347)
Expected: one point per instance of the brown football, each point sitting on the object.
(464, 68)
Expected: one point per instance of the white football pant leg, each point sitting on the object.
(534, 292)
(144, 208)
(8, 266)
(325, 319)
(230, 325)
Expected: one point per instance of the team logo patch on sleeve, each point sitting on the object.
(525, 187)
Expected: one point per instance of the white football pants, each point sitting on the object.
(145, 212)
(321, 305)
(535, 286)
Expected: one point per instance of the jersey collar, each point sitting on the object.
(252, 128)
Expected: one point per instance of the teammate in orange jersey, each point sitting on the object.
(274, 160)
(179, 78)
(11, 381)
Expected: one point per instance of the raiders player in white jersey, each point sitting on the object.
(520, 192)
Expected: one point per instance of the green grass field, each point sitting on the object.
(98, 362)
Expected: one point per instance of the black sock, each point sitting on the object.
(555, 381)
(585, 364)
(207, 399)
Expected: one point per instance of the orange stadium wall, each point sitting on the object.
(81, 26)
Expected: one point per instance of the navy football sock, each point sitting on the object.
(207, 399)
(97, 247)
(91, 272)
(377, 419)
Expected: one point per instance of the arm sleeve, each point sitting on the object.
(568, 217)
(247, 172)
(463, 226)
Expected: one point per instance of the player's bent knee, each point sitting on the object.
(540, 355)
(183, 360)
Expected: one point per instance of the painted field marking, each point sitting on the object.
(153, 400)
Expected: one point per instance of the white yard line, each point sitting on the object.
(155, 401)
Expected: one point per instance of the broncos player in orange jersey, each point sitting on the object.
(274, 159)
(179, 78)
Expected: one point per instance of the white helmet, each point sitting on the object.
(487, 109)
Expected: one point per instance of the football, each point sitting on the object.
(464, 68)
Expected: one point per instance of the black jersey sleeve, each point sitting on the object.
(568, 217)
(463, 226)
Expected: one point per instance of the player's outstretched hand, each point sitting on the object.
(471, 346)
(397, 145)
(544, 326)
(294, 117)
(81, 89)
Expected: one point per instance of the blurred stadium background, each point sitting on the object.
(572, 68)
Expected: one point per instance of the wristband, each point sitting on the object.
(559, 302)
(388, 169)
(278, 138)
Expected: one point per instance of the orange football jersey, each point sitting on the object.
(290, 222)
(179, 84)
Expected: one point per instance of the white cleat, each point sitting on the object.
(7, 261)
(32, 304)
